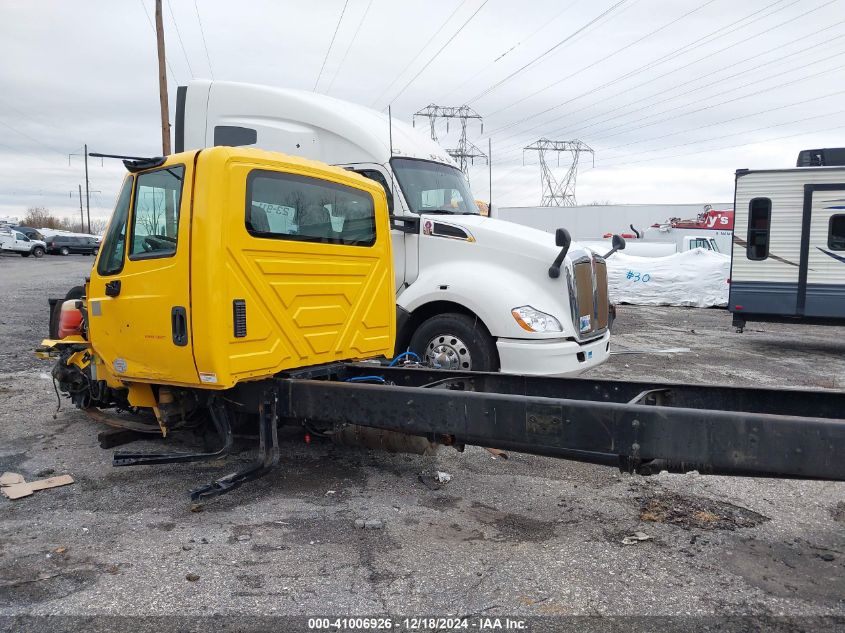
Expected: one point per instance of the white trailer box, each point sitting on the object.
(789, 246)
(472, 292)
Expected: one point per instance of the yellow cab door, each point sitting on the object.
(138, 296)
(291, 266)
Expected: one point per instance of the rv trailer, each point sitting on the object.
(788, 259)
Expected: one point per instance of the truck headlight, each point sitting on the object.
(532, 320)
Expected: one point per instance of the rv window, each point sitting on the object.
(759, 221)
(155, 219)
(836, 232)
(293, 207)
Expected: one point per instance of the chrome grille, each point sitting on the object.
(588, 296)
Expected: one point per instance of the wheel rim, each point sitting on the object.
(447, 351)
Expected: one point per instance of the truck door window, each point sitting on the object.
(374, 174)
(836, 232)
(155, 221)
(759, 222)
(293, 207)
(114, 243)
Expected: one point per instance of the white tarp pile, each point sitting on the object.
(696, 278)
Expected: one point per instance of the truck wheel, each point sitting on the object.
(455, 341)
(38, 252)
(64, 250)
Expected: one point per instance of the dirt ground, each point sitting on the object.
(526, 536)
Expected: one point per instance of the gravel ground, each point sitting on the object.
(527, 536)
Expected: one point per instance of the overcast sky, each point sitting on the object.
(672, 96)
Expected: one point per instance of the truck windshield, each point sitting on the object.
(434, 187)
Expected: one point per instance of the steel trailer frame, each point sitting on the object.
(636, 426)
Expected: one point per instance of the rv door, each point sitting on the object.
(823, 270)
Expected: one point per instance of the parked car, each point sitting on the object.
(31, 233)
(16, 242)
(67, 244)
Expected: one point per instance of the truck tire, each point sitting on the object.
(38, 252)
(455, 341)
(64, 250)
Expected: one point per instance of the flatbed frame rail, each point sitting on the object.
(640, 427)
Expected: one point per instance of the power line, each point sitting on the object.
(334, 35)
(719, 81)
(711, 149)
(725, 102)
(484, 93)
(514, 146)
(546, 24)
(731, 120)
(179, 37)
(668, 57)
(606, 57)
(440, 50)
(722, 136)
(348, 48)
(204, 43)
(417, 56)
(31, 138)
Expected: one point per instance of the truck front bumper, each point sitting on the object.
(551, 357)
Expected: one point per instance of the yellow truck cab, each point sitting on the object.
(230, 264)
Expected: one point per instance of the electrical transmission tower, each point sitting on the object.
(465, 153)
(558, 193)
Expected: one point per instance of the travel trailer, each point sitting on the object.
(472, 292)
(789, 246)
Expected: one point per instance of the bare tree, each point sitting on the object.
(41, 218)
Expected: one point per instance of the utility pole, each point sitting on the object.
(162, 83)
(558, 193)
(465, 152)
(87, 194)
(82, 217)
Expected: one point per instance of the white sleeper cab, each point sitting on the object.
(473, 293)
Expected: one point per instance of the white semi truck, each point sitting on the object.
(473, 293)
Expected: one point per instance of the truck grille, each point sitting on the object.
(588, 296)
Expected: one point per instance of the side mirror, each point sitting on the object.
(562, 239)
(618, 243)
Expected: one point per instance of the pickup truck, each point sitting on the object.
(16, 242)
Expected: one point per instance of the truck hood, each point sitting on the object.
(508, 237)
